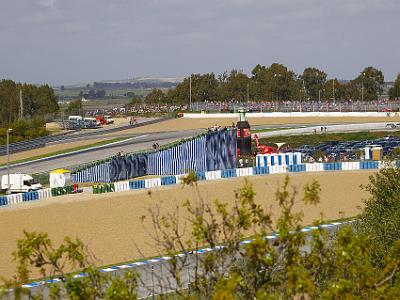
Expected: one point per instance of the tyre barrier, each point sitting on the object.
(3, 201)
(367, 165)
(278, 169)
(136, 184)
(351, 165)
(212, 175)
(315, 167)
(179, 178)
(228, 173)
(296, 168)
(245, 171)
(334, 166)
(62, 190)
(201, 176)
(103, 188)
(168, 180)
(44, 193)
(30, 196)
(260, 170)
(152, 182)
(122, 186)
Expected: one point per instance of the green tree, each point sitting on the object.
(394, 92)
(233, 86)
(204, 88)
(156, 96)
(333, 89)
(381, 217)
(276, 82)
(37, 101)
(314, 81)
(75, 107)
(370, 82)
(135, 100)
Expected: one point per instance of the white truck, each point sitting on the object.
(108, 119)
(19, 183)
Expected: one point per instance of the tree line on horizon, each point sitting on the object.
(274, 83)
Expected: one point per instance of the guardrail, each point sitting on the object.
(42, 141)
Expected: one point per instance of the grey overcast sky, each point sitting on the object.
(71, 41)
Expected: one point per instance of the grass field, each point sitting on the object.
(111, 226)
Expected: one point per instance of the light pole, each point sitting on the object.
(248, 92)
(9, 130)
(190, 92)
(362, 88)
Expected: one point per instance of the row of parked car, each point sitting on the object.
(349, 148)
(79, 122)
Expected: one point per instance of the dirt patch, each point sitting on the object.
(110, 223)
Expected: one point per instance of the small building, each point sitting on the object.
(60, 178)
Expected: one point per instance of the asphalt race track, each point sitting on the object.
(136, 143)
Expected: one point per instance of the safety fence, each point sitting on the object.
(208, 152)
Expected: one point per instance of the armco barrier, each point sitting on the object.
(228, 173)
(296, 168)
(369, 165)
(136, 184)
(168, 180)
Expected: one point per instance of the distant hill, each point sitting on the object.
(136, 82)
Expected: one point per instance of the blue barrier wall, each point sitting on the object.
(221, 150)
(214, 151)
(179, 159)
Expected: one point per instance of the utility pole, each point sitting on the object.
(333, 91)
(319, 96)
(190, 92)
(248, 88)
(21, 105)
(9, 130)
